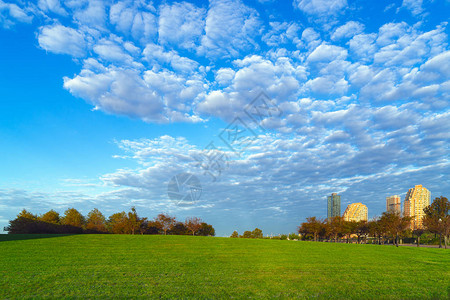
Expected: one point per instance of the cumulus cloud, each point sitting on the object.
(54, 6)
(414, 6)
(181, 25)
(243, 26)
(348, 30)
(62, 40)
(321, 7)
(135, 19)
(361, 105)
(11, 13)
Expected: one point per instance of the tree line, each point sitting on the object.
(73, 222)
(390, 226)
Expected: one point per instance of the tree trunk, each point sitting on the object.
(445, 241)
(440, 240)
(396, 240)
(418, 241)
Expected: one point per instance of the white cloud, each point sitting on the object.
(279, 79)
(113, 52)
(328, 85)
(10, 14)
(321, 7)
(414, 6)
(156, 53)
(181, 25)
(135, 19)
(242, 26)
(327, 53)
(54, 6)
(90, 13)
(389, 33)
(62, 40)
(349, 30)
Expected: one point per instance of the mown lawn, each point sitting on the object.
(119, 266)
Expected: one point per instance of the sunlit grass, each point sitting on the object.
(106, 266)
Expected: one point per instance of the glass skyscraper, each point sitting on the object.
(334, 206)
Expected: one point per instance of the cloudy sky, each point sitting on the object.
(271, 105)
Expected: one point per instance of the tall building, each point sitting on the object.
(334, 206)
(393, 204)
(416, 200)
(356, 212)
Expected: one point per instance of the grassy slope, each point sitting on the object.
(202, 267)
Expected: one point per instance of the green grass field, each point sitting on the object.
(118, 266)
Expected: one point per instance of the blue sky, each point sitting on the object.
(103, 102)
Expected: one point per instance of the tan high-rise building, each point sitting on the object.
(416, 200)
(393, 204)
(356, 212)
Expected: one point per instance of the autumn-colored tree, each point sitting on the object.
(235, 234)
(73, 217)
(165, 222)
(118, 223)
(26, 214)
(362, 229)
(96, 221)
(395, 225)
(134, 221)
(335, 227)
(437, 218)
(312, 226)
(349, 228)
(51, 217)
(375, 229)
(193, 224)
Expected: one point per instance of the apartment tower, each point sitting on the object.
(356, 212)
(393, 204)
(416, 200)
(334, 206)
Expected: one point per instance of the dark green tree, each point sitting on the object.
(206, 230)
(437, 219)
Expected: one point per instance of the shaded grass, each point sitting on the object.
(118, 266)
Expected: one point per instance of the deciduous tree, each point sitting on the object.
(73, 217)
(206, 230)
(96, 221)
(312, 226)
(118, 223)
(257, 233)
(395, 225)
(134, 221)
(437, 219)
(194, 224)
(51, 217)
(165, 222)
